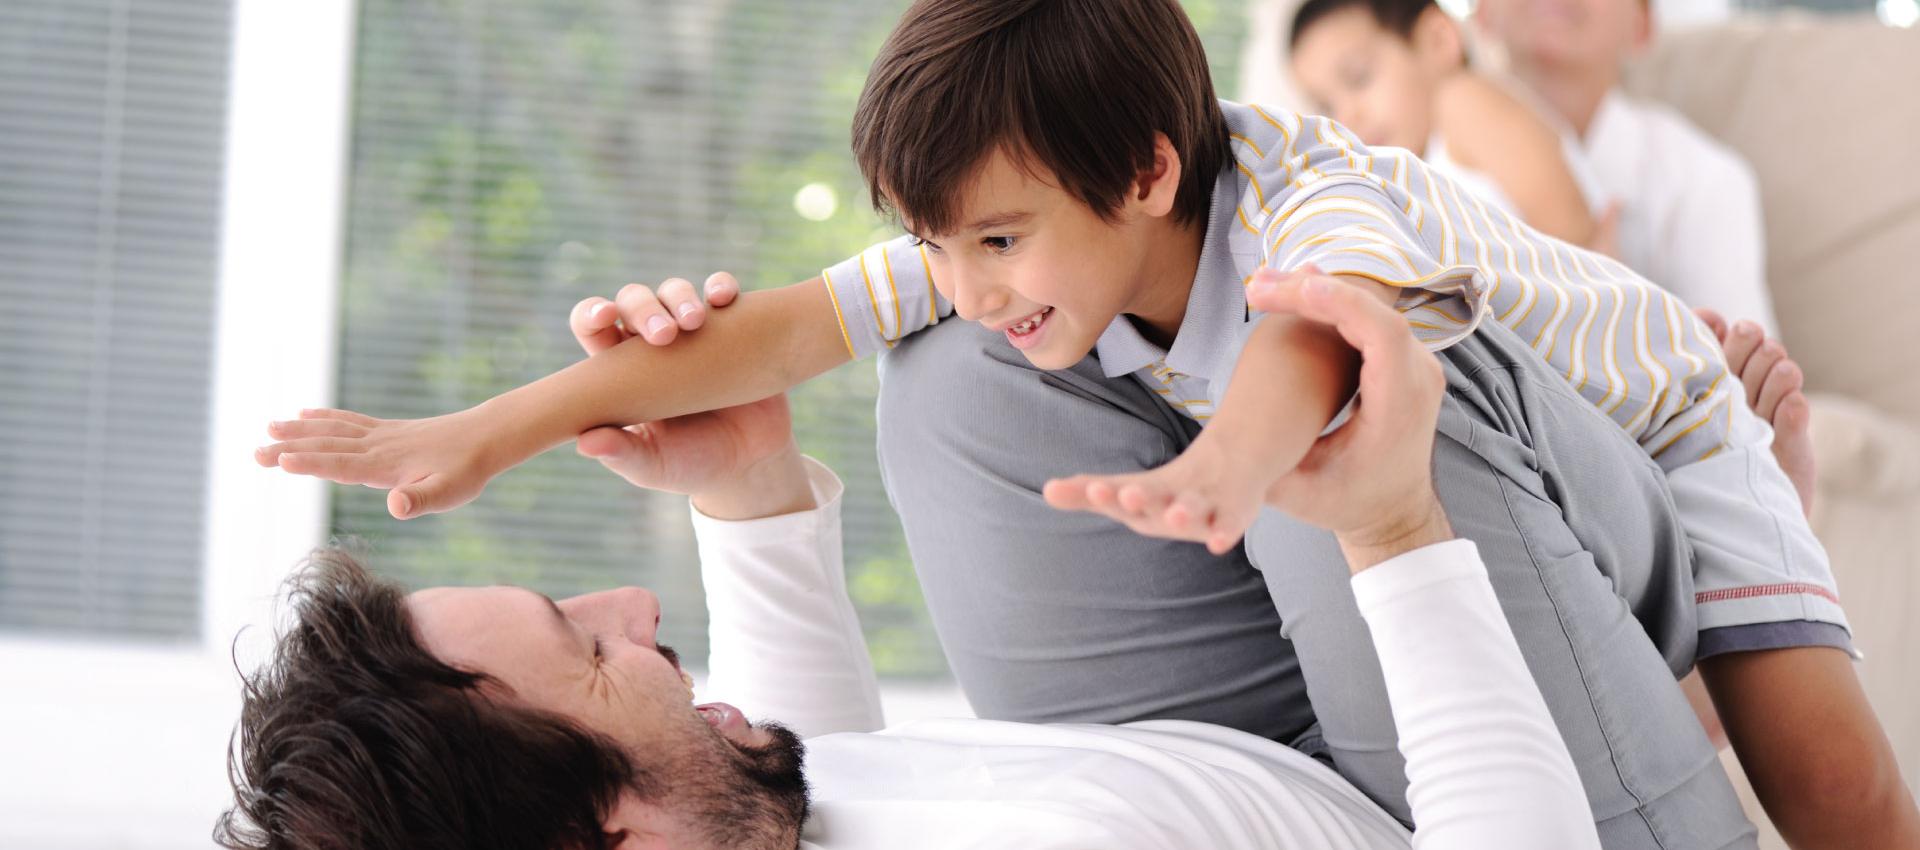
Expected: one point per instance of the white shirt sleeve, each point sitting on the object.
(1716, 244)
(785, 643)
(1485, 763)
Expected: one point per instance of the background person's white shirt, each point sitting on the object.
(1690, 207)
(1487, 767)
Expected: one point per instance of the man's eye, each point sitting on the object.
(597, 647)
(998, 244)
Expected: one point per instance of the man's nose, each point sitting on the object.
(630, 612)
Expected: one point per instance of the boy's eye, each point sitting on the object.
(917, 242)
(998, 244)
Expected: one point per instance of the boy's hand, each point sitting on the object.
(1370, 482)
(430, 465)
(1774, 386)
(704, 455)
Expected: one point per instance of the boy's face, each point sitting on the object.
(1037, 264)
(1591, 35)
(1371, 80)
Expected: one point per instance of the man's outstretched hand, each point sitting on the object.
(724, 458)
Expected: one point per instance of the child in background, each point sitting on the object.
(1395, 72)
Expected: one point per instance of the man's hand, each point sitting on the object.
(1371, 481)
(1773, 383)
(738, 462)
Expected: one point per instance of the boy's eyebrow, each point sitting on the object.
(998, 220)
(992, 222)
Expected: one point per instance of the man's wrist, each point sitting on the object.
(772, 486)
(1415, 529)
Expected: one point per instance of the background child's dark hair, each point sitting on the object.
(1394, 16)
(1070, 89)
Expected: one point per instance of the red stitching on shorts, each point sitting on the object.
(1750, 592)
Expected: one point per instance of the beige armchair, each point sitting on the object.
(1827, 112)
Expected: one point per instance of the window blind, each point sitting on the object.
(510, 158)
(112, 122)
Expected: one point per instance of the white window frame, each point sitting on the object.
(113, 744)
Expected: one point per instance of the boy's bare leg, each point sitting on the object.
(1840, 788)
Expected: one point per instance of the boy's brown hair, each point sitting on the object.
(1077, 88)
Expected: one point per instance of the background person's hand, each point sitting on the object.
(1371, 481)
(735, 462)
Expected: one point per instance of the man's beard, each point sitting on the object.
(757, 800)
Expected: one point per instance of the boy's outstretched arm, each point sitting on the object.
(1290, 381)
(1813, 749)
(763, 345)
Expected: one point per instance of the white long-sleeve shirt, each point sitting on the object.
(1487, 767)
(1690, 207)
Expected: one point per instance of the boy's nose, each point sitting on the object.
(974, 301)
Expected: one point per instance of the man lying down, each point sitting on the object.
(497, 718)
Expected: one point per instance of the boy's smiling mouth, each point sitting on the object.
(1026, 332)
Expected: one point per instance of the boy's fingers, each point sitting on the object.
(338, 468)
(721, 289)
(1067, 494)
(343, 415)
(327, 445)
(296, 428)
(641, 312)
(433, 494)
(680, 301)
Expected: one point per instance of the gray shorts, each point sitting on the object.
(1047, 616)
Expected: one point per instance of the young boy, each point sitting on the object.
(1063, 231)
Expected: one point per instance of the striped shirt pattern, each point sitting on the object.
(1311, 192)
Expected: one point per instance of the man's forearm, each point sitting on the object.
(766, 343)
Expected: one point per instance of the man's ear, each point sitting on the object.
(1642, 25)
(636, 825)
(1157, 187)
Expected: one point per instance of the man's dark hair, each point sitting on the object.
(355, 737)
(1075, 87)
(1394, 16)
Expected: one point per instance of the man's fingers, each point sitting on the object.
(1783, 380)
(593, 324)
(642, 313)
(1715, 322)
(682, 303)
(1754, 375)
(1372, 328)
(721, 289)
(1741, 341)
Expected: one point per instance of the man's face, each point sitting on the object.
(593, 660)
(1037, 264)
(1591, 35)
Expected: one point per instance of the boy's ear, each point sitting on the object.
(1436, 38)
(1158, 185)
(1642, 25)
